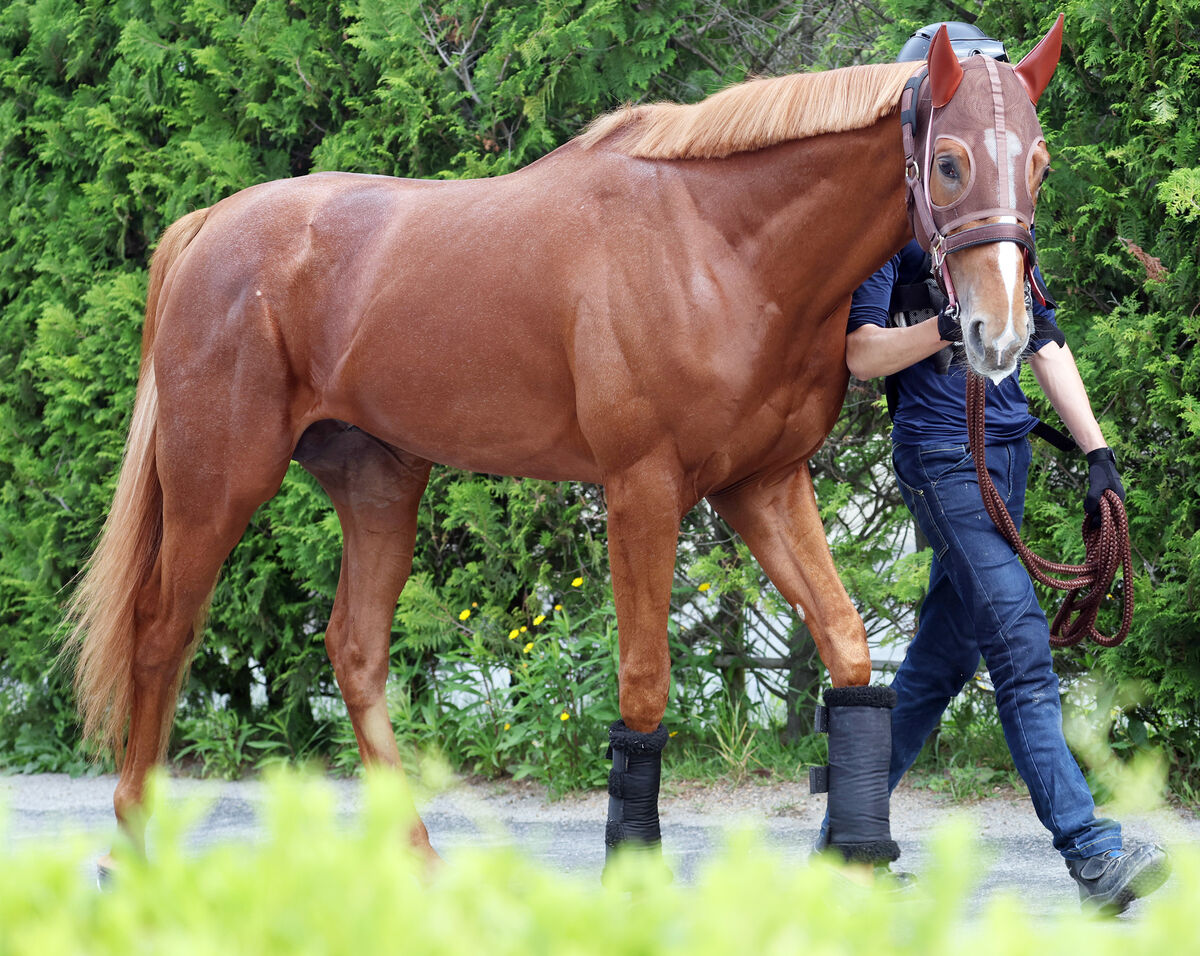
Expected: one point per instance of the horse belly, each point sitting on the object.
(466, 381)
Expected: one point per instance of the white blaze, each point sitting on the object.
(1014, 149)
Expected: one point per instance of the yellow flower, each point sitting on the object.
(524, 629)
(672, 733)
(577, 582)
(705, 586)
(474, 604)
(512, 635)
(528, 647)
(507, 726)
(538, 620)
(558, 607)
(564, 716)
(464, 614)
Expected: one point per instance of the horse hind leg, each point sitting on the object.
(376, 490)
(205, 512)
(780, 524)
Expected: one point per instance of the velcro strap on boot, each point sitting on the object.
(821, 720)
(818, 779)
(615, 785)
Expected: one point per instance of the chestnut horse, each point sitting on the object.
(658, 306)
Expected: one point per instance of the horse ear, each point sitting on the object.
(945, 72)
(1036, 68)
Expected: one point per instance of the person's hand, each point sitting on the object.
(1102, 477)
(948, 327)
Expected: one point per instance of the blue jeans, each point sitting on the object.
(981, 601)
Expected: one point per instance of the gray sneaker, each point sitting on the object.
(1110, 882)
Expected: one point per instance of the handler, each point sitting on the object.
(980, 598)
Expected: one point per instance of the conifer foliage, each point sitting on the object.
(118, 117)
(1119, 233)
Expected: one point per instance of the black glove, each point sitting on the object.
(1102, 476)
(948, 327)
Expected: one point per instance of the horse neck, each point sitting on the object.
(816, 216)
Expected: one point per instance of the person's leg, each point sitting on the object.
(943, 654)
(1013, 635)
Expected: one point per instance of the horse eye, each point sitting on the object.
(947, 168)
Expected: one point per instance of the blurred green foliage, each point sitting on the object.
(314, 884)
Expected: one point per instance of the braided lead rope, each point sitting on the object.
(1106, 546)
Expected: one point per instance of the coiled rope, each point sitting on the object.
(1106, 545)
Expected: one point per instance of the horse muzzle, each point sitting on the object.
(994, 355)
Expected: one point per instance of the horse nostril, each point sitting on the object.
(973, 336)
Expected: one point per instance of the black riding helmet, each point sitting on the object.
(966, 39)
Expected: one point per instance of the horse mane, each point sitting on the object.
(755, 114)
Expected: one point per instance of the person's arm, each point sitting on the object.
(1054, 367)
(872, 351)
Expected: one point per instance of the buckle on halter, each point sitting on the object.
(937, 250)
(912, 171)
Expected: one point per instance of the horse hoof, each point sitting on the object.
(645, 867)
(880, 877)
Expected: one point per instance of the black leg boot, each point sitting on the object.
(633, 790)
(859, 723)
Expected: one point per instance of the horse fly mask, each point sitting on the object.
(986, 101)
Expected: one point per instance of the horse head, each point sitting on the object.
(974, 174)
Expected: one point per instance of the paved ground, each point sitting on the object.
(568, 833)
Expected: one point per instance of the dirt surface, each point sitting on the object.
(568, 833)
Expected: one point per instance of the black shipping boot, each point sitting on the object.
(858, 721)
(633, 789)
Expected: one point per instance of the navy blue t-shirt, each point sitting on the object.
(931, 407)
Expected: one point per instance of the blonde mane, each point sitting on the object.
(755, 114)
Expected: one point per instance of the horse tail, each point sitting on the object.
(103, 606)
(177, 237)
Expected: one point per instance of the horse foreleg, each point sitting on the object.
(376, 491)
(644, 511)
(780, 524)
(782, 528)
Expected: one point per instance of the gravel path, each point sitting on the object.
(568, 834)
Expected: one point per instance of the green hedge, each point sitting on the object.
(117, 117)
(1119, 233)
(317, 885)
